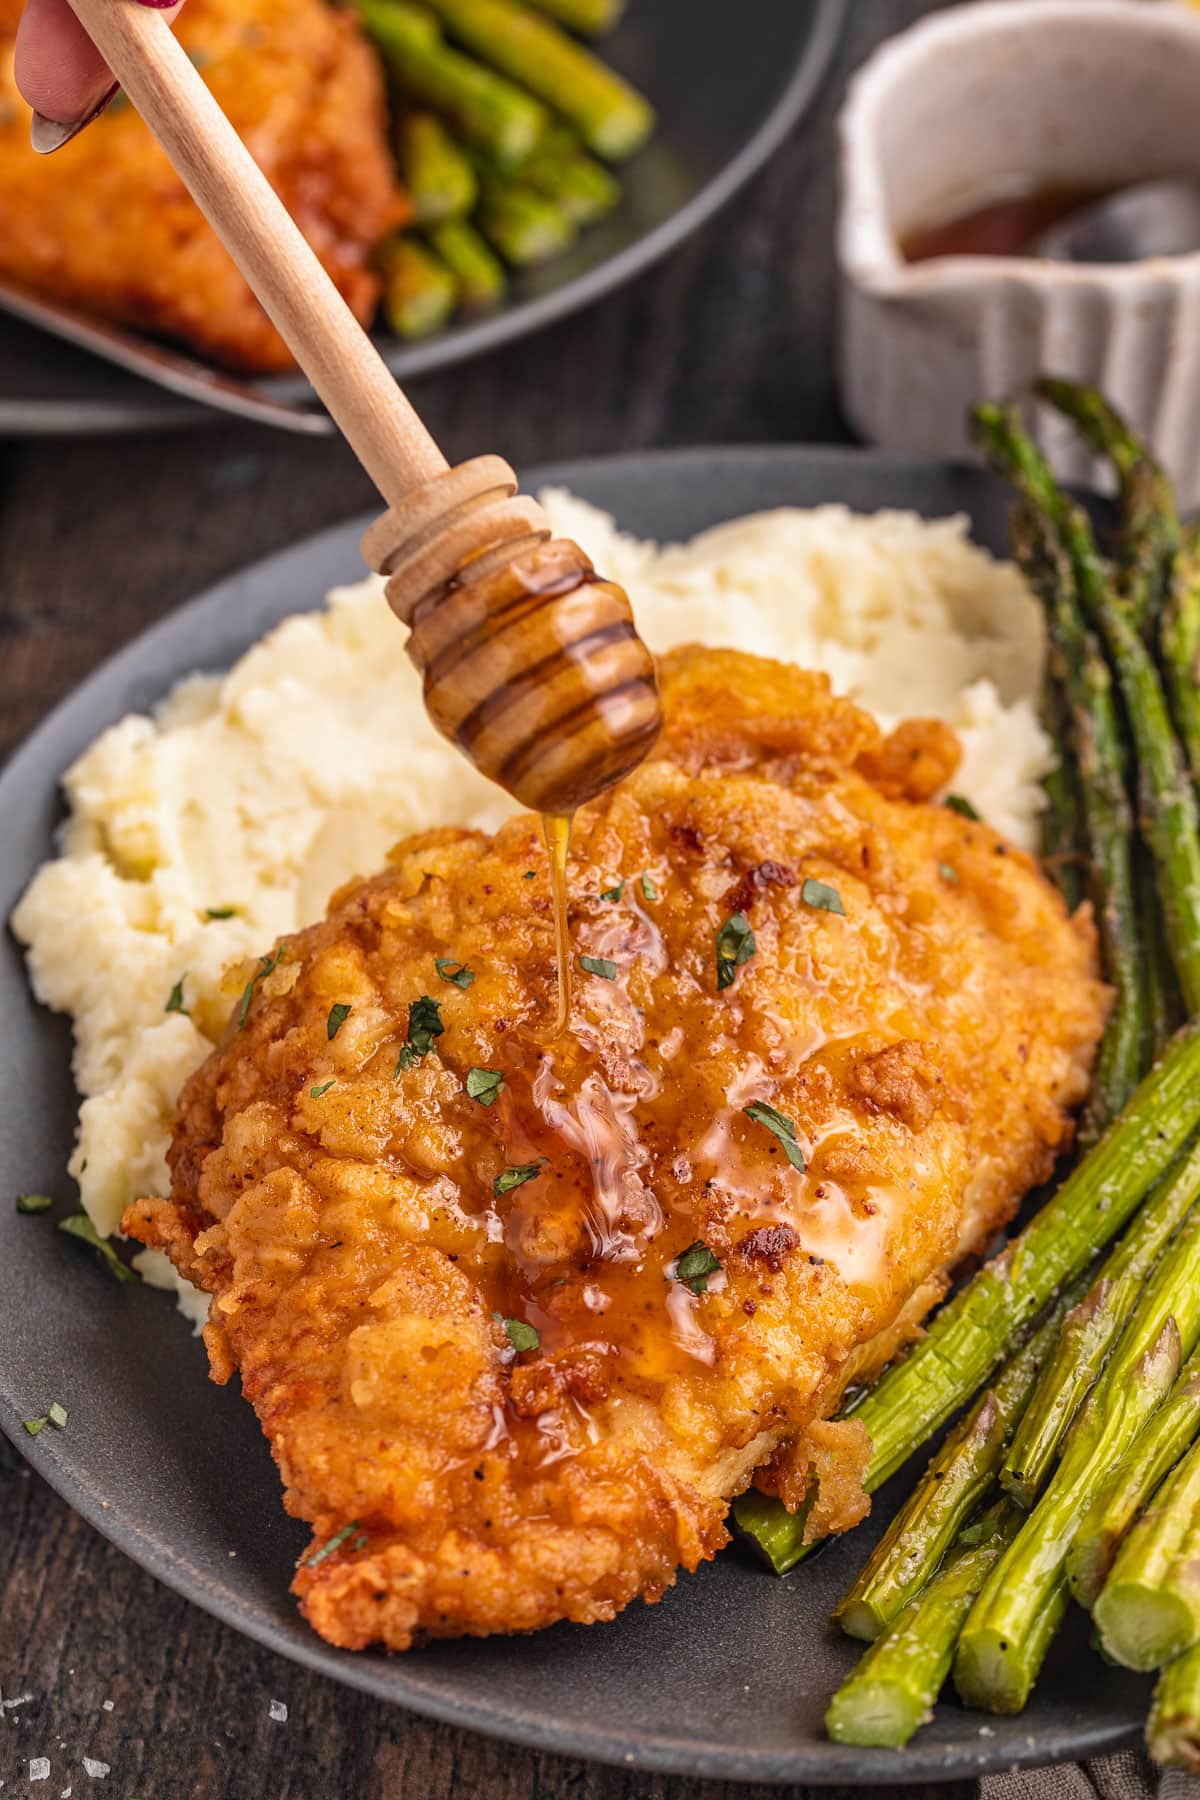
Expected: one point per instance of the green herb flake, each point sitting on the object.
(531, 874)
(515, 1177)
(57, 1414)
(484, 1085)
(424, 1024)
(599, 965)
(360, 1541)
(34, 1203)
(735, 946)
(956, 803)
(220, 912)
(824, 898)
(81, 1227)
(614, 893)
(948, 873)
(334, 1543)
(33, 1426)
(265, 965)
(337, 1018)
(694, 1266)
(649, 891)
(175, 998)
(783, 1129)
(456, 973)
(522, 1336)
(316, 1092)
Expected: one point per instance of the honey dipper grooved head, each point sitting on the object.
(532, 664)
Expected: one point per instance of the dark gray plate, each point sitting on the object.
(730, 1674)
(728, 89)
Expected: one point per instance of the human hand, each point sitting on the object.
(60, 71)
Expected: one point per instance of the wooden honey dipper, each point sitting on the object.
(532, 665)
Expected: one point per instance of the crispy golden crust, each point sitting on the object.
(925, 1047)
(107, 225)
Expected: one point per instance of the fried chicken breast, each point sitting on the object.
(518, 1317)
(107, 225)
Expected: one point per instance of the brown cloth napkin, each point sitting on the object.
(1127, 1775)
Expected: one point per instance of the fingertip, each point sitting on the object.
(58, 69)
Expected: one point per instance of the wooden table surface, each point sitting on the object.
(730, 340)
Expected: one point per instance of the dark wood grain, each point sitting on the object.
(731, 340)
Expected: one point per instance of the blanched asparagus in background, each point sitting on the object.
(1149, 1609)
(1128, 1488)
(489, 111)
(582, 187)
(1173, 1729)
(947, 1494)
(1179, 648)
(1101, 760)
(523, 225)
(479, 275)
(437, 175)
(966, 1340)
(893, 1688)
(419, 292)
(612, 118)
(1023, 1599)
(588, 16)
(1088, 1336)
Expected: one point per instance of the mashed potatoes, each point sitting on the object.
(196, 837)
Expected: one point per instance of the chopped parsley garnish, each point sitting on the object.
(175, 998)
(424, 1024)
(34, 1203)
(515, 1177)
(362, 1538)
(614, 893)
(735, 946)
(220, 912)
(81, 1227)
(531, 874)
(55, 1415)
(457, 973)
(334, 1543)
(316, 1092)
(484, 1085)
(599, 965)
(823, 897)
(265, 966)
(783, 1129)
(694, 1266)
(337, 1018)
(649, 891)
(956, 803)
(948, 873)
(522, 1336)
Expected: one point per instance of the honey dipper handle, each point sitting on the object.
(239, 203)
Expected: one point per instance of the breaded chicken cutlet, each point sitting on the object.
(520, 1318)
(107, 226)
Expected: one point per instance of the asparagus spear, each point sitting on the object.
(967, 1338)
(1173, 1728)
(1087, 1337)
(1150, 524)
(523, 225)
(1100, 758)
(613, 119)
(1148, 1611)
(1179, 648)
(1164, 1007)
(479, 275)
(1170, 823)
(582, 187)
(1062, 821)
(438, 177)
(1012, 1622)
(947, 1494)
(893, 1688)
(592, 17)
(419, 291)
(490, 112)
(1129, 1487)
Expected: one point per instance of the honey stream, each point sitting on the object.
(556, 828)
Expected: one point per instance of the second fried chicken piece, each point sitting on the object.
(106, 225)
(519, 1319)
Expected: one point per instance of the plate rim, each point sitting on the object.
(373, 1674)
(114, 416)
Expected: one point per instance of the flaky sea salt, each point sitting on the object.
(39, 1768)
(278, 1710)
(97, 1770)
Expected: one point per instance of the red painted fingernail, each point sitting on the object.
(47, 135)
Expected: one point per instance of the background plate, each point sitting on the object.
(729, 1675)
(728, 88)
